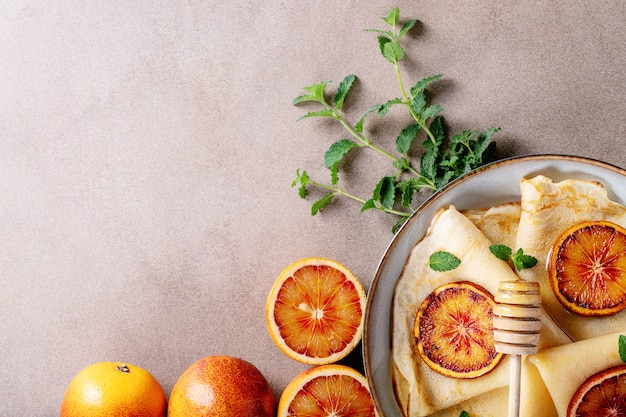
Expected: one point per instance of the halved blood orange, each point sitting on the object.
(327, 390)
(454, 330)
(315, 311)
(601, 395)
(587, 268)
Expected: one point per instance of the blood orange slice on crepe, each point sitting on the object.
(549, 209)
(601, 395)
(454, 330)
(587, 268)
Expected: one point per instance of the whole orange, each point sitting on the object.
(221, 386)
(114, 389)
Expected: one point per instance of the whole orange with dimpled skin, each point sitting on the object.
(114, 389)
(221, 386)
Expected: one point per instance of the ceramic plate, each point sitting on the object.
(492, 184)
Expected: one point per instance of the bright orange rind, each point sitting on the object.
(108, 389)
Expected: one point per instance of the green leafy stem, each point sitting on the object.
(440, 162)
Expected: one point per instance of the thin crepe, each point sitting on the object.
(561, 370)
(422, 391)
(548, 209)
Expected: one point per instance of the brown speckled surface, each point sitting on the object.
(148, 150)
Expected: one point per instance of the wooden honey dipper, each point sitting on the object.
(516, 327)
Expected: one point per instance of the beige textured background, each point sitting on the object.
(148, 149)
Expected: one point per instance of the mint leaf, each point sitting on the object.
(428, 164)
(358, 127)
(422, 84)
(302, 179)
(316, 93)
(406, 27)
(392, 17)
(369, 204)
(385, 192)
(321, 203)
(483, 142)
(337, 151)
(402, 164)
(384, 108)
(342, 91)
(523, 261)
(622, 347)
(519, 259)
(382, 41)
(406, 138)
(399, 224)
(393, 52)
(464, 414)
(442, 261)
(501, 252)
(431, 111)
(318, 113)
(438, 131)
(407, 188)
(419, 102)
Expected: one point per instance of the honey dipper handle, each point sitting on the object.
(514, 385)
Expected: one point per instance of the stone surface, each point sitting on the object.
(148, 150)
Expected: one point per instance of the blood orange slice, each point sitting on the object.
(587, 268)
(327, 390)
(315, 311)
(454, 330)
(601, 395)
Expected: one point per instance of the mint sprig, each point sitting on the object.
(621, 345)
(439, 160)
(519, 259)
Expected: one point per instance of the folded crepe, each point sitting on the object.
(420, 390)
(561, 370)
(547, 210)
(499, 223)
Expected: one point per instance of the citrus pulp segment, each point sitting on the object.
(587, 268)
(327, 390)
(601, 395)
(454, 330)
(315, 311)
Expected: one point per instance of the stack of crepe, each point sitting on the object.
(571, 348)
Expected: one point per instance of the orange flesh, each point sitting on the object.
(318, 311)
(591, 269)
(336, 395)
(455, 331)
(604, 399)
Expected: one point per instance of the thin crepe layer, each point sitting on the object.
(548, 209)
(563, 369)
(420, 390)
